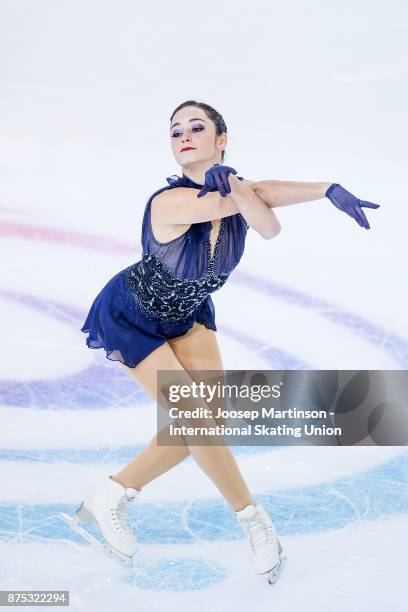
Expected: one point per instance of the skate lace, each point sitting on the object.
(120, 518)
(257, 528)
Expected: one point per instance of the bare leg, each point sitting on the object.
(196, 350)
(151, 462)
(218, 462)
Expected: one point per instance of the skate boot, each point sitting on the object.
(265, 548)
(106, 505)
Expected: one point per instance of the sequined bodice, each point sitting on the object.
(173, 278)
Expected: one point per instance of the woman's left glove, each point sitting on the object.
(217, 176)
(348, 203)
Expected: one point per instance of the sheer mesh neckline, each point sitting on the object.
(183, 181)
(187, 179)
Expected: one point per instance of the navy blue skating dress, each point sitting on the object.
(163, 294)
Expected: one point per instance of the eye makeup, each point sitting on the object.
(196, 128)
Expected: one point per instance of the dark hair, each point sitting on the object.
(216, 118)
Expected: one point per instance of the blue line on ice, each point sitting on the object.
(372, 494)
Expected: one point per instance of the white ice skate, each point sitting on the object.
(106, 505)
(265, 548)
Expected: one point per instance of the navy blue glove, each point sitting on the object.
(217, 176)
(348, 203)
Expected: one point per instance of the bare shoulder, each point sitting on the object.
(168, 196)
(163, 230)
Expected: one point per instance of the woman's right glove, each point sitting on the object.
(217, 176)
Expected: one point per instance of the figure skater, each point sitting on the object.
(158, 314)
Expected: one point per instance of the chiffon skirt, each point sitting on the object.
(116, 324)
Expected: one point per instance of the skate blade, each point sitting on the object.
(276, 571)
(104, 546)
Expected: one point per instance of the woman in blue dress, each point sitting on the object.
(158, 314)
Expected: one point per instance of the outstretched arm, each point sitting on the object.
(255, 198)
(282, 193)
